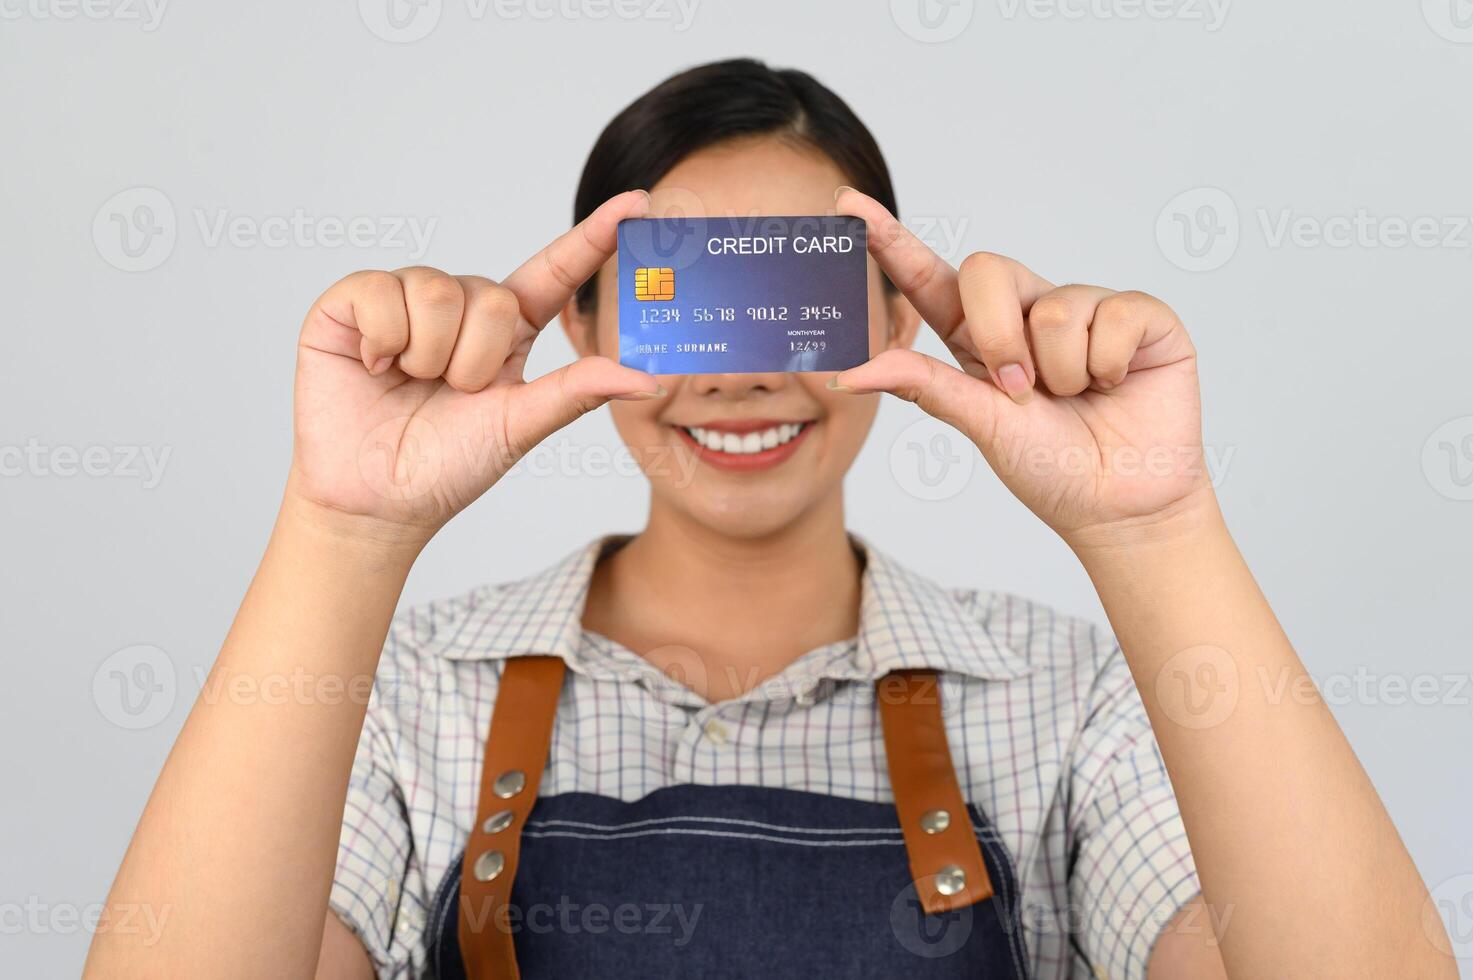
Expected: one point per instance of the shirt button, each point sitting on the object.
(716, 732)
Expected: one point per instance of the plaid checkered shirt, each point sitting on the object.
(1047, 733)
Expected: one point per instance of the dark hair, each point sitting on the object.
(713, 103)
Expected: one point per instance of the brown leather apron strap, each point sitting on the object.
(945, 858)
(516, 753)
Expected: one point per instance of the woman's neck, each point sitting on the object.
(723, 614)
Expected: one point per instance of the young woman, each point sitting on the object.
(743, 741)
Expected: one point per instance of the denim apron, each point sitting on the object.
(728, 881)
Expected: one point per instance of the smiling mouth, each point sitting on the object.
(745, 446)
(745, 443)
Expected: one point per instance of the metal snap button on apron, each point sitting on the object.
(950, 880)
(935, 821)
(489, 865)
(509, 784)
(498, 822)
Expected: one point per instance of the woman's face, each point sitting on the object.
(696, 445)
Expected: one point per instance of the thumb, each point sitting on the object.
(552, 401)
(939, 389)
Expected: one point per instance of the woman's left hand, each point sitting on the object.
(1084, 400)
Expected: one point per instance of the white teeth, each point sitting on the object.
(748, 443)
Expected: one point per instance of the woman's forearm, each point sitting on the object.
(238, 841)
(1300, 864)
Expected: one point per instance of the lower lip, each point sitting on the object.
(746, 462)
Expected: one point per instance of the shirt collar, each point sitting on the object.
(905, 621)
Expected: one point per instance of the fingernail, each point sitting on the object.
(1014, 380)
(833, 385)
(380, 366)
(648, 201)
(644, 395)
(841, 189)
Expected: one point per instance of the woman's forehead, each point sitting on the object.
(754, 176)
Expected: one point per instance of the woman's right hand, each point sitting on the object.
(410, 400)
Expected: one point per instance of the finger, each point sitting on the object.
(552, 401)
(434, 302)
(365, 318)
(1129, 332)
(940, 389)
(487, 331)
(545, 282)
(922, 275)
(1058, 332)
(996, 294)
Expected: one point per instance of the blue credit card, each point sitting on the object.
(743, 295)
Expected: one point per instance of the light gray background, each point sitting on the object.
(1335, 377)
